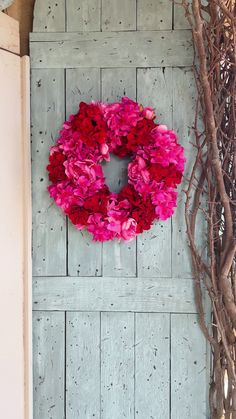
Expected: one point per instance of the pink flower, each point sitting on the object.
(87, 176)
(120, 117)
(148, 113)
(139, 175)
(129, 229)
(164, 149)
(165, 202)
(64, 195)
(98, 227)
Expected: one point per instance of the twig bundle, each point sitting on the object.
(211, 189)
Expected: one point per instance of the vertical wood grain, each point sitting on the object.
(84, 255)
(119, 258)
(117, 365)
(184, 102)
(152, 366)
(154, 15)
(83, 365)
(49, 224)
(118, 15)
(49, 16)
(154, 88)
(188, 368)
(83, 15)
(49, 358)
(180, 20)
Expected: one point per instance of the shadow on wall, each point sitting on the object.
(22, 10)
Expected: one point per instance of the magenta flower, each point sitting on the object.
(165, 202)
(86, 176)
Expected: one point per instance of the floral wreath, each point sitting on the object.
(78, 183)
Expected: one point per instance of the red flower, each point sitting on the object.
(140, 134)
(90, 124)
(142, 209)
(96, 204)
(168, 174)
(77, 215)
(122, 150)
(56, 168)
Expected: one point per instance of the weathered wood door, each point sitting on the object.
(115, 329)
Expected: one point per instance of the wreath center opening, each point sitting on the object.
(116, 172)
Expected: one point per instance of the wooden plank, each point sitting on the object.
(82, 375)
(180, 20)
(117, 365)
(49, 363)
(9, 34)
(119, 258)
(152, 365)
(49, 224)
(189, 378)
(183, 120)
(154, 88)
(111, 294)
(83, 15)
(118, 82)
(118, 15)
(49, 16)
(154, 15)
(84, 255)
(102, 49)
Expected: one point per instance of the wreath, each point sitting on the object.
(77, 179)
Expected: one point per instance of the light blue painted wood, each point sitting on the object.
(49, 16)
(118, 15)
(184, 101)
(83, 15)
(152, 365)
(154, 87)
(48, 364)
(114, 294)
(49, 224)
(154, 15)
(188, 368)
(132, 334)
(83, 365)
(103, 49)
(84, 256)
(117, 365)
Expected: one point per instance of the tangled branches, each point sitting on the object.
(211, 189)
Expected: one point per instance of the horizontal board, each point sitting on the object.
(112, 294)
(102, 49)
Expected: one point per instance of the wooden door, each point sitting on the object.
(115, 325)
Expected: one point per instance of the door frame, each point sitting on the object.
(16, 329)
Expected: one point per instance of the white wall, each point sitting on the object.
(14, 228)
